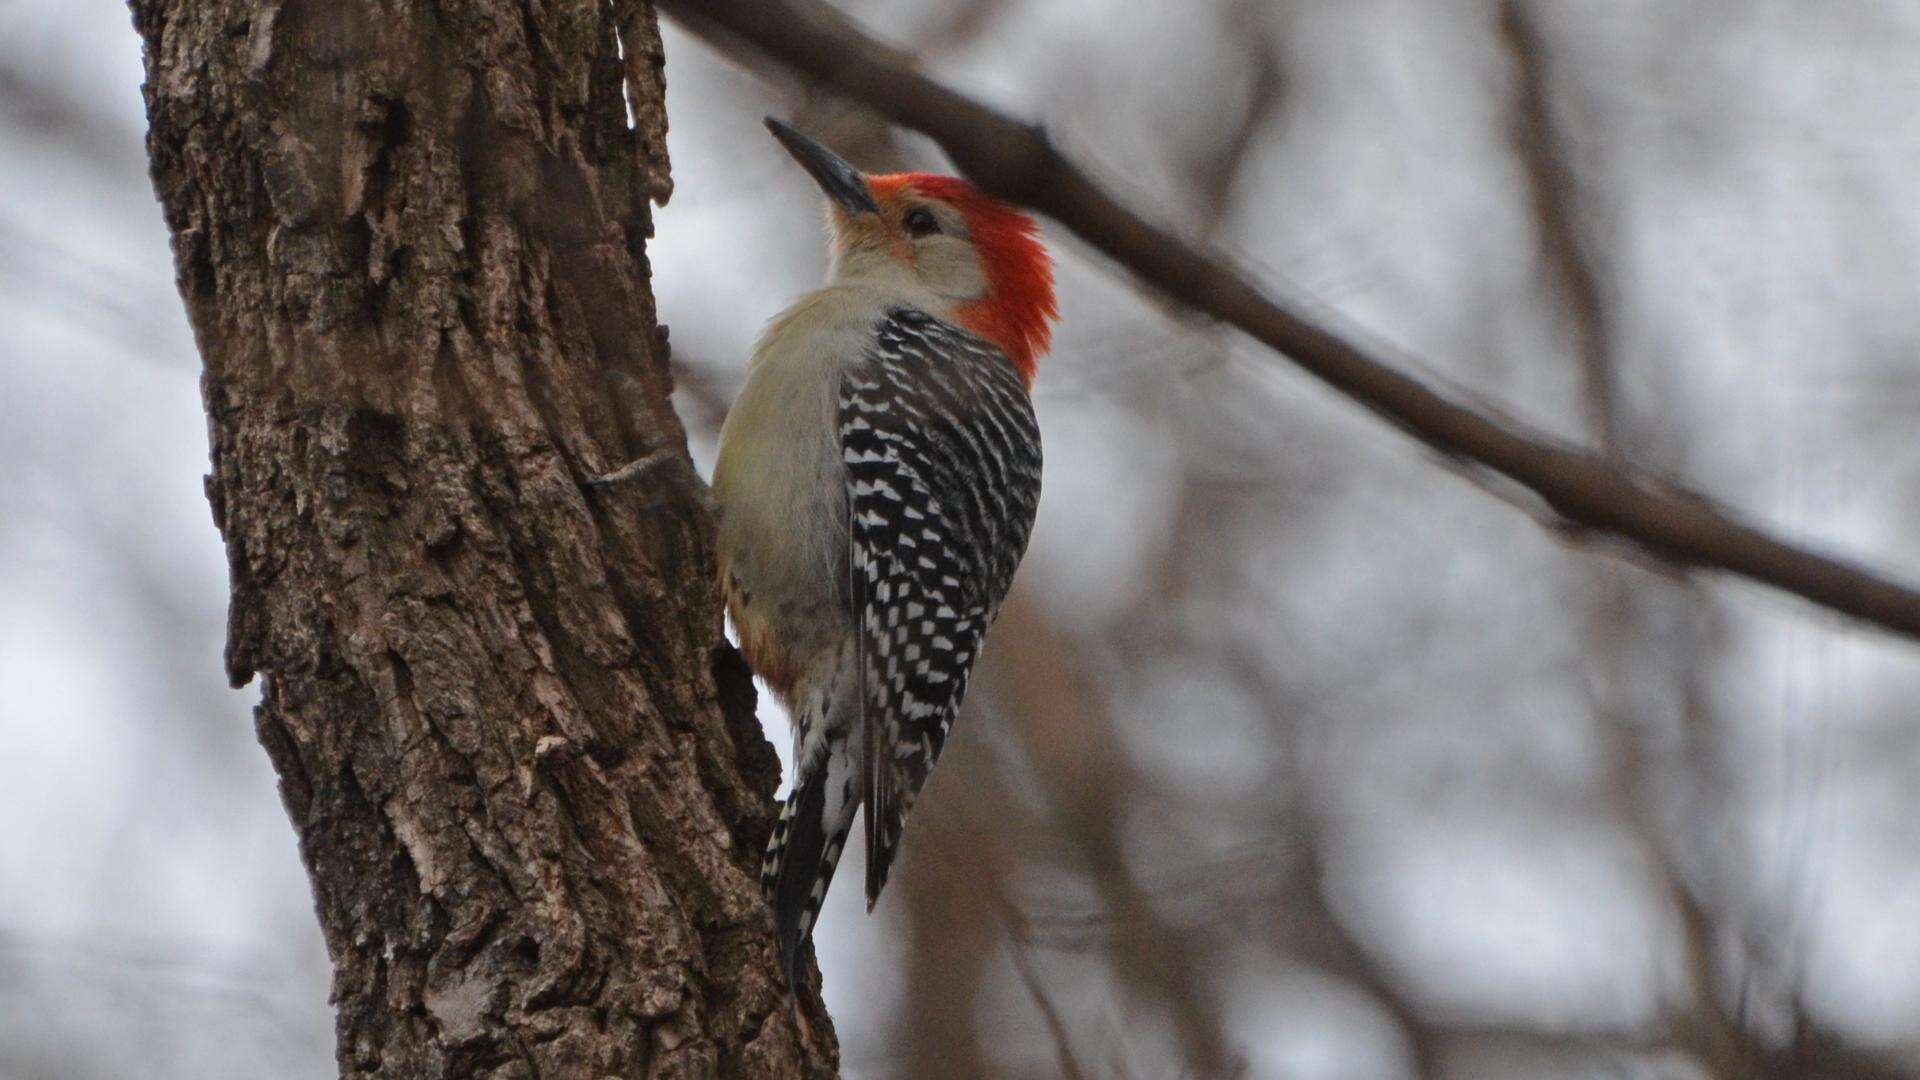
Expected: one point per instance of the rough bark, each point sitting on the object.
(521, 759)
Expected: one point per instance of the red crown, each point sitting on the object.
(1018, 309)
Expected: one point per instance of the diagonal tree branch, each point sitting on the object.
(1587, 491)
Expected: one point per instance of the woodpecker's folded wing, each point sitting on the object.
(943, 478)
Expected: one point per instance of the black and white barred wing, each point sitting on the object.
(943, 478)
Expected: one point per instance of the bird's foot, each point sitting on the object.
(637, 469)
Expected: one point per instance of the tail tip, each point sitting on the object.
(790, 963)
(879, 862)
(790, 933)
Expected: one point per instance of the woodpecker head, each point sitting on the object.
(980, 258)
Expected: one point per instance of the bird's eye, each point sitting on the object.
(920, 222)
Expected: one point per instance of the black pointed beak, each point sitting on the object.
(843, 183)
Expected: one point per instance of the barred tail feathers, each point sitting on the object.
(811, 835)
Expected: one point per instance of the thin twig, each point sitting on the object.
(1551, 183)
(1071, 741)
(1022, 952)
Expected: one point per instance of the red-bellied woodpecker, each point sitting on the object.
(876, 483)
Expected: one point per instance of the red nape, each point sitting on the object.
(1018, 310)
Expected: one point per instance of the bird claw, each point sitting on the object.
(632, 470)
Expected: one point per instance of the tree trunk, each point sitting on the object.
(520, 756)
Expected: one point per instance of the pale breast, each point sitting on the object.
(781, 488)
